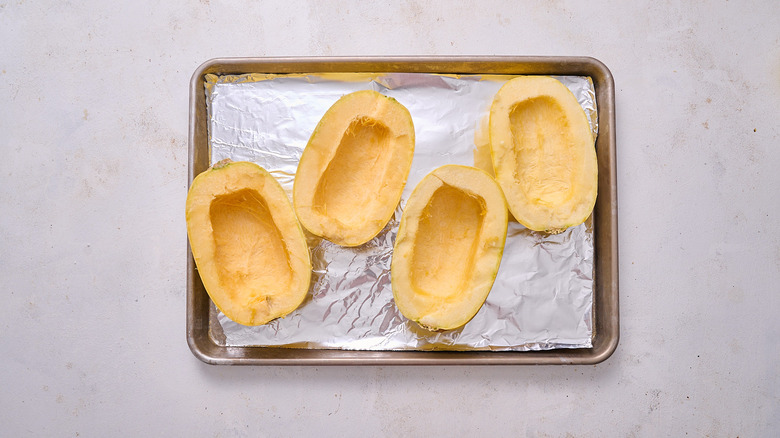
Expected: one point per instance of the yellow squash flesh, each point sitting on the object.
(250, 251)
(354, 168)
(449, 247)
(543, 153)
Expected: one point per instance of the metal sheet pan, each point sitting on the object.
(204, 340)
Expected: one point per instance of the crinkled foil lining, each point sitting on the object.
(543, 295)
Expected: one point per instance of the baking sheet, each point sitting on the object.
(543, 295)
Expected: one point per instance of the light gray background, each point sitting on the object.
(93, 136)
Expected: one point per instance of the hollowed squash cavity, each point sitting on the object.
(445, 244)
(250, 255)
(249, 249)
(354, 168)
(543, 150)
(543, 153)
(350, 178)
(449, 247)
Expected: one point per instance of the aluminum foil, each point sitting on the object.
(543, 295)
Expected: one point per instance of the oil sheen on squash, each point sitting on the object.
(449, 247)
(354, 168)
(250, 250)
(543, 153)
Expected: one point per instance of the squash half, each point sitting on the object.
(543, 153)
(353, 170)
(449, 247)
(250, 251)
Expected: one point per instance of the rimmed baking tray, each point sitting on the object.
(605, 289)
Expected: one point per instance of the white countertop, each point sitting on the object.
(94, 176)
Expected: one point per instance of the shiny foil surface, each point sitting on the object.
(543, 295)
